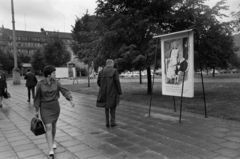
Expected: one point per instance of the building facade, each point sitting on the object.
(27, 42)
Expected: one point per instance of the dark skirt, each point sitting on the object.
(50, 111)
(1, 92)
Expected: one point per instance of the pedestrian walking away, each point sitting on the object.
(46, 100)
(3, 84)
(110, 89)
(31, 82)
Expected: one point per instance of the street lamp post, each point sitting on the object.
(16, 70)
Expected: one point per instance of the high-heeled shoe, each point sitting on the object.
(51, 155)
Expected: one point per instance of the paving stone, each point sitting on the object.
(209, 146)
(228, 152)
(108, 149)
(65, 155)
(20, 142)
(77, 148)
(233, 138)
(136, 150)
(24, 147)
(203, 153)
(63, 138)
(39, 156)
(231, 145)
(221, 157)
(87, 153)
(7, 154)
(5, 148)
(30, 152)
(151, 155)
(17, 138)
(70, 143)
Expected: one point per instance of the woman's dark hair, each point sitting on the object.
(48, 70)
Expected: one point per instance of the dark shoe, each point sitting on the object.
(113, 125)
(1, 107)
(51, 155)
(107, 125)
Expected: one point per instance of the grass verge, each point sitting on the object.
(222, 95)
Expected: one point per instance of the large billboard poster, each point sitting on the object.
(177, 53)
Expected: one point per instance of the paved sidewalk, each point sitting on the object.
(82, 133)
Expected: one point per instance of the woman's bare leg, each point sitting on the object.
(49, 136)
(54, 130)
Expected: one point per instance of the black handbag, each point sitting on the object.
(6, 94)
(37, 126)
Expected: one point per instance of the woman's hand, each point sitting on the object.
(72, 103)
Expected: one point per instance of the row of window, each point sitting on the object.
(23, 44)
(23, 51)
(28, 38)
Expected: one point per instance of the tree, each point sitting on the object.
(236, 21)
(24, 58)
(56, 53)
(5, 61)
(38, 60)
(134, 23)
(87, 34)
(8, 61)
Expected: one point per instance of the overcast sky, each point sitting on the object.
(57, 15)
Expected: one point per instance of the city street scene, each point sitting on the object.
(109, 79)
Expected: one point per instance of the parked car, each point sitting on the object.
(158, 72)
(211, 72)
(223, 71)
(125, 74)
(198, 72)
(235, 71)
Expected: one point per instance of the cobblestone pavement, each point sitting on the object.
(82, 133)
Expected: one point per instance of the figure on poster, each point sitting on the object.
(182, 65)
(171, 75)
(70, 72)
(174, 54)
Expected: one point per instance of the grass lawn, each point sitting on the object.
(222, 95)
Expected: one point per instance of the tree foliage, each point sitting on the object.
(7, 60)
(56, 53)
(38, 60)
(87, 34)
(125, 29)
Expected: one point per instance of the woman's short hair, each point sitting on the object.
(48, 70)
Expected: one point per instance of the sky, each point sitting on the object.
(59, 15)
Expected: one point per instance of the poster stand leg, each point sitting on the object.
(150, 105)
(200, 61)
(180, 117)
(155, 62)
(174, 102)
(204, 97)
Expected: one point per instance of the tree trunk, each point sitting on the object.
(140, 76)
(149, 89)
(88, 76)
(213, 73)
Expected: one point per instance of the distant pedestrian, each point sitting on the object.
(110, 89)
(3, 83)
(47, 95)
(31, 82)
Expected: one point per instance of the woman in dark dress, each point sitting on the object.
(3, 84)
(47, 95)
